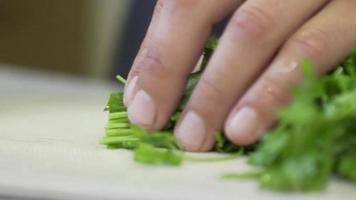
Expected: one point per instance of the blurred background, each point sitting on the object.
(93, 38)
(90, 38)
(58, 60)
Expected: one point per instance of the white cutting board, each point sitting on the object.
(49, 131)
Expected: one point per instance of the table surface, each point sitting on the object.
(50, 125)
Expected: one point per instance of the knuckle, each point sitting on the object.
(210, 91)
(150, 65)
(311, 42)
(253, 21)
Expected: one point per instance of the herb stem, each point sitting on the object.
(118, 115)
(121, 79)
(232, 156)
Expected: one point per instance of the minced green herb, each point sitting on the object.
(315, 136)
(158, 147)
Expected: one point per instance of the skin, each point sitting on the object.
(247, 78)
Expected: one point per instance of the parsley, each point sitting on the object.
(159, 147)
(149, 154)
(315, 136)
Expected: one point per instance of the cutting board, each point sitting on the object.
(49, 130)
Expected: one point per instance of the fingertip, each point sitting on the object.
(190, 132)
(242, 127)
(129, 90)
(208, 143)
(239, 138)
(142, 110)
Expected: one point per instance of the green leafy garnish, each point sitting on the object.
(158, 147)
(315, 136)
(149, 154)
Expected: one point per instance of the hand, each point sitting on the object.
(249, 75)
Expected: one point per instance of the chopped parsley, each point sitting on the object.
(315, 136)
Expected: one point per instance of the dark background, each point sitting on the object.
(91, 38)
(135, 30)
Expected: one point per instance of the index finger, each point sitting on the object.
(170, 50)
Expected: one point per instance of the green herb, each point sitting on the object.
(150, 148)
(158, 147)
(241, 176)
(315, 136)
(149, 154)
(230, 156)
(121, 79)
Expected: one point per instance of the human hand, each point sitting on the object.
(249, 75)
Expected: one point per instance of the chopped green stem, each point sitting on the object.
(232, 156)
(243, 175)
(148, 154)
(121, 79)
(117, 125)
(118, 132)
(120, 121)
(118, 115)
(118, 139)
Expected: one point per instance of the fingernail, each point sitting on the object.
(244, 122)
(191, 131)
(142, 110)
(128, 94)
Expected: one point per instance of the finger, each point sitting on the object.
(253, 35)
(168, 54)
(326, 39)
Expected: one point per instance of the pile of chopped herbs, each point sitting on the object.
(315, 136)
